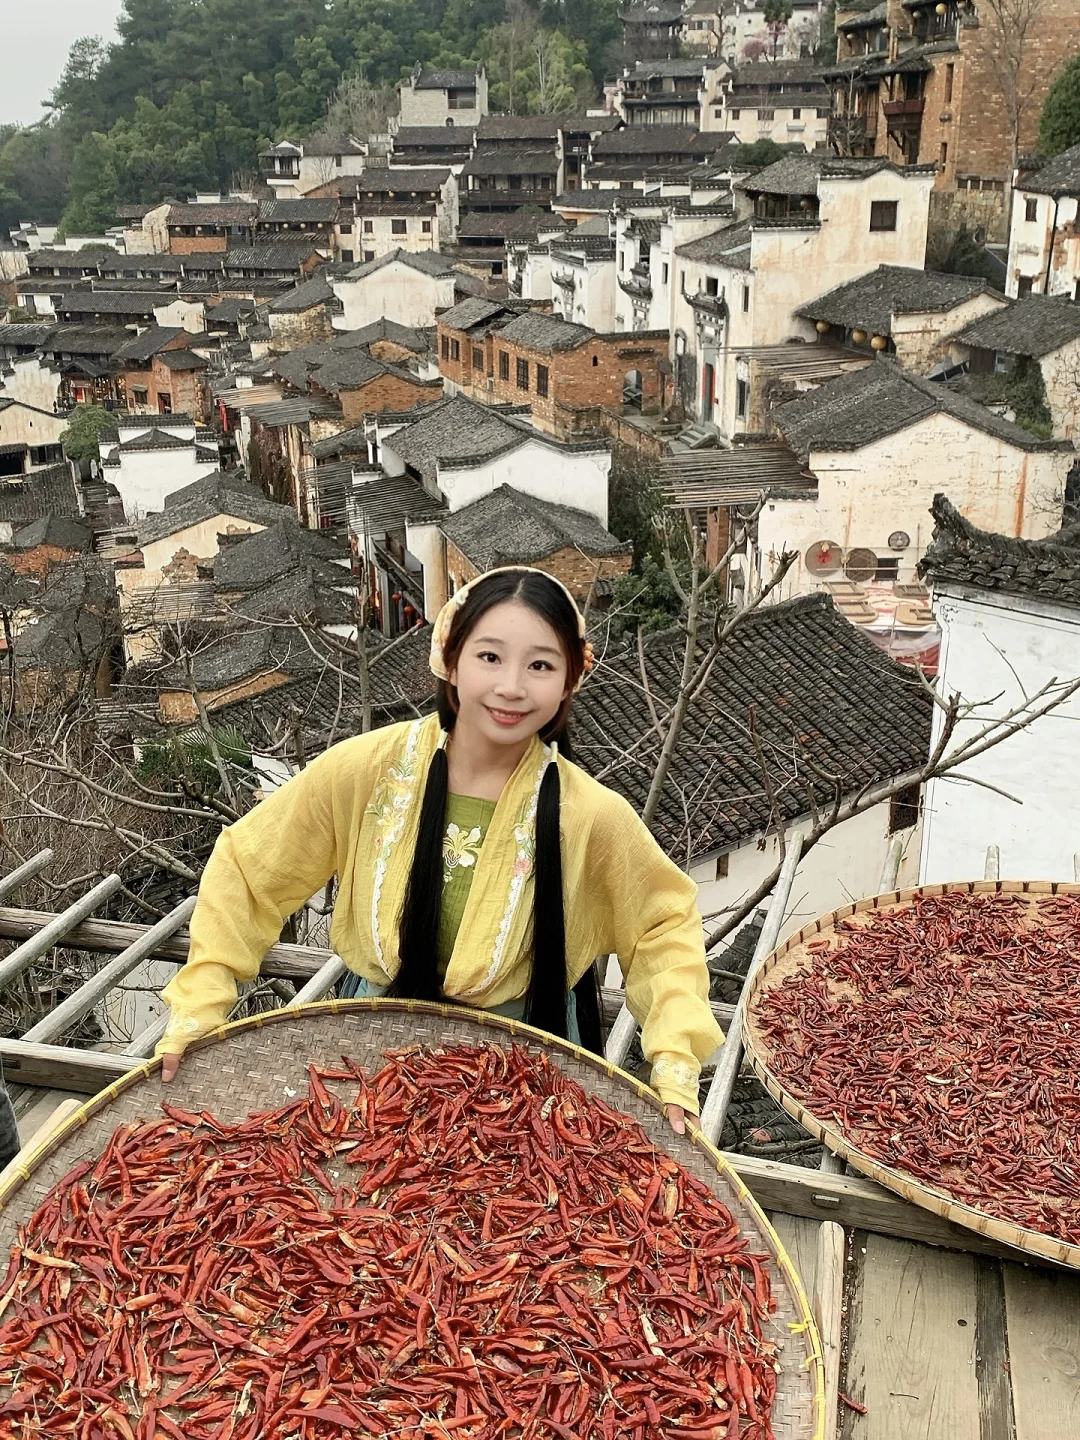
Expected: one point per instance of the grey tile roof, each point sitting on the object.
(520, 127)
(306, 296)
(85, 340)
(1035, 325)
(685, 140)
(76, 621)
(330, 145)
(407, 336)
(272, 255)
(428, 262)
(24, 337)
(239, 655)
(212, 485)
(59, 530)
(548, 333)
(728, 246)
(456, 429)
(866, 405)
(1039, 569)
(232, 212)
(155, 439)
(504, 161)
(508, 527)
(799, 174)
(298, 594)
(222, 499)
(446, 79)
(402, 183)
(1059, 176)
(805, 671)
(51, 490)
(296, 366)
(148, 343)
(296, 410)
(351, 442)
(474, 310)
(516, 225)
(872, 300)
(182, 360)
(270, 553)
(297, 211)
(112, 302)
(427, 137)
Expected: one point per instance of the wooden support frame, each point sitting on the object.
(26, 871)
(56, 928)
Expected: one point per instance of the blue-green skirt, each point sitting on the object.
(355, 987)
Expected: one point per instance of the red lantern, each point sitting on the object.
(396, 596)
(409, 610)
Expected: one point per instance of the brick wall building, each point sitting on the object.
(396, 391)
(561, 370)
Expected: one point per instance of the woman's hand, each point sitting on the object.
(171, 1063)
(676, 1117)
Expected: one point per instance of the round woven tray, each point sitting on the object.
(254, 1064)
(788, 959)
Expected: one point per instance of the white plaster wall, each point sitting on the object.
(189, 315)
(426, 543)
(381, 238)
(564, 478)
(536, 277)
(145, 477)
(1061, 377)
(22, 426)
(200, 539)
(921, 339)
(316, 170)
(844, 866)
(396, 292)
(992, 645)
(864, 495)
(1030, 242)
(33, 382)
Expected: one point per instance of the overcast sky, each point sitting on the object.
(37, 35)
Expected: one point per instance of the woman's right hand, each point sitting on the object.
(169, 1066)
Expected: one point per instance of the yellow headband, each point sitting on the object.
(445, 618)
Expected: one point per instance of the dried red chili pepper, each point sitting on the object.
(467, 1247)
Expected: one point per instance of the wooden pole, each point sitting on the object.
(62, 1067)
(71, 1010)
(145, 1044)
(714, 1111)
(321, 983)
(33, 949)
(828, 1303)
(992, 868)
(26, 871)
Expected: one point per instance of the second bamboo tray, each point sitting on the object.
(786, 960)
(259, 1064)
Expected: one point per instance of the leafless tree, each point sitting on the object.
(1004, 38)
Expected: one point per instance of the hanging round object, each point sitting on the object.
(879, 342)
(941, 9)
(899, 540)
(396, 596)
(858, 336)
(409, 610)
(822, 327)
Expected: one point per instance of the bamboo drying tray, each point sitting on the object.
(257, 1064)
(788, 959)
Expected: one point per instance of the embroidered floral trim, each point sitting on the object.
(180, 1025)
(679, 1073)
(460, 849)
(525, 838)
(390, 805)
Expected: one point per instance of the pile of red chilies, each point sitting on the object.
(944, 1039)
(467, 1247)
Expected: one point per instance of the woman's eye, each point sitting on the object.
(543, 664)
(487, 655)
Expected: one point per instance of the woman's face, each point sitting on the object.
(511, 675)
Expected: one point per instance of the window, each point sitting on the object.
(399, 227)
(542, 381)
(368, 255)
(504, 365)
(949, 72)
(745, 298)
(522, 374)
(164, 403)
(943, 154)
(722, 866)
(345, 227)
(742, 390)
(718, 114)
(596, 360)
(796, 113)
(369, 227)
(664, 274)
(904, 809)
(1031, 209)
(140, 396)
(477, 358)
(712, 285)
(347, 257)
(444, 347)
(766, 114)
(425, 226)
(1023, 286)
(888, 567)
(883, 214)
(455, 350)
(734, 114)
(497, 268)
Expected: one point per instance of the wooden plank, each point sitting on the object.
(31, 1138)
(992, 1353)
(54, 930)
(855, 1203)
(799, 1238)
(911, 1355)
(828, 1307)
(26, 871)
(58, 1068)
(1042, 1316)
(288, 962)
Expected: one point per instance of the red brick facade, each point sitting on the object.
(387, 392)
(557, 385)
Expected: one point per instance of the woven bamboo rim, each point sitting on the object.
(787, 958)
(246, 1065)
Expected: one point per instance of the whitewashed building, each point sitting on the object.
(1044, 240)
(153, 457)
(1009, 612)
(408, 288)
(443, 97)
(583, 276)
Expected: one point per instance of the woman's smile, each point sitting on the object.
(509, 718)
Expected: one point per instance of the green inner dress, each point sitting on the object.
(467, 821)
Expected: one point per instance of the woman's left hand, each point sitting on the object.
(676, 1116)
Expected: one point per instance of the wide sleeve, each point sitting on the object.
(655, 929)
(263, 868)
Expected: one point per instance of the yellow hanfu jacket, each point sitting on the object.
(354, 811)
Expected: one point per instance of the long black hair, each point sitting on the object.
(418, 977)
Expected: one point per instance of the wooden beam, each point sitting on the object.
(55, 928)
(857, 1204)
(828, 1305)
(287, 962)
(56, 1067)
(26, 871)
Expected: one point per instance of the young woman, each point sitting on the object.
(476, 863)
